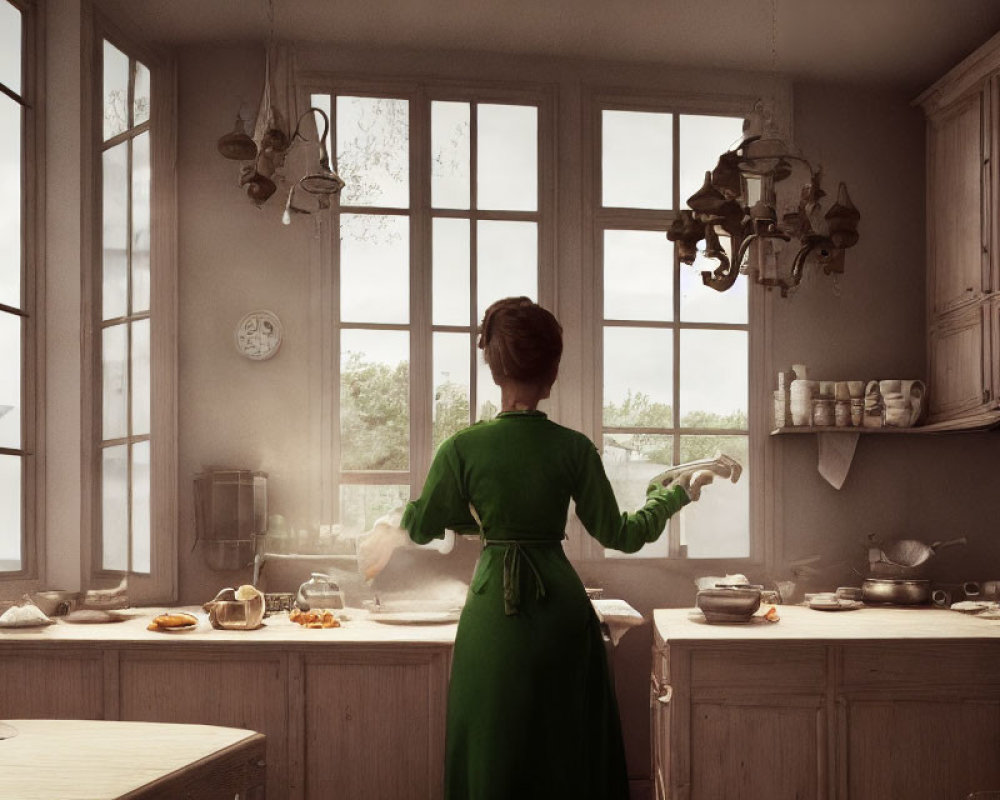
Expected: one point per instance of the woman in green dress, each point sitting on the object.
(531, 708)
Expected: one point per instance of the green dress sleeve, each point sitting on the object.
(442, 503)
(598, 510)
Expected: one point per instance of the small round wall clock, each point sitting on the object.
(258, 335)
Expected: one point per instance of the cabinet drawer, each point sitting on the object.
(916, 666)
(763, 669)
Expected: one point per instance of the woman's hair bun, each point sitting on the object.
(521, 340)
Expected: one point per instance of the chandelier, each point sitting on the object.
(774, 231)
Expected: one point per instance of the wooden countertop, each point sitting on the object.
(277, 630)
(801, 623)
(106, 760)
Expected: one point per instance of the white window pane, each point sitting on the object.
(507, 157)
(713, 376)
(450, 155)
(10, 47)
(375, 268)
(114, 508)
(638, 377)
(702, 140)
(373, 151)
(374, 400)
(10, 202)
(140, 378)
(115, 91)
(638, 275)
(637, 159)
(114, 368)
(699, 303)
(487, 392)
(361, 505)
(631, 461)
(507, 259)
(115, 231)
(140, 91)
(141, 525)
(718, 525)
(451, 271)
(140, 223)
(10, 380)
(10, 513)
(451, 384)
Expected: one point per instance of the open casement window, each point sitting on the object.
(133, 483)
(446, 208)
(19, 546)
(675, 355)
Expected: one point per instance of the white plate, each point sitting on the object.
(416, 617)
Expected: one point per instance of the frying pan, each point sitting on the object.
(905, 557)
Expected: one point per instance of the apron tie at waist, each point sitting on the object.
(513, 554)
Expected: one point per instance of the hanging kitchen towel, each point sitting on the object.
(836, 451)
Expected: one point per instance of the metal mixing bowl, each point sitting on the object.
(728, 605)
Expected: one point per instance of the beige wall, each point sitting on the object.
(235, 258)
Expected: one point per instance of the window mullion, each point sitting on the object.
(473, 260)
(674, 528)
(421, 290)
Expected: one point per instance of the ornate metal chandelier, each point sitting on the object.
(741, 198)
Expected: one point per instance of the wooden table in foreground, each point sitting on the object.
(111, 760)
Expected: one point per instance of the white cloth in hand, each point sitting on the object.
(375, 548)
(693, 481)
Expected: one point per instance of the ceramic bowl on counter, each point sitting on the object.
(728, 604)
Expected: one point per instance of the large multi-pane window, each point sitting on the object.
(123, 315)
(441, 215)
(675, 383)
(16, 290)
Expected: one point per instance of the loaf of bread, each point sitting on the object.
(176, 619)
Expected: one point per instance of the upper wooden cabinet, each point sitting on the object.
(958, 227)
(963, 239)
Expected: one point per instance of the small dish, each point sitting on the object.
(970, 606)
(837, 605)
(177, 628)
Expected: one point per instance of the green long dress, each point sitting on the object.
(531, 709)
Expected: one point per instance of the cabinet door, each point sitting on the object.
(36, 684)
(958, 351)
(375, 724)
(747, 749)
(937, 748)
(213, 688)
(957, 207)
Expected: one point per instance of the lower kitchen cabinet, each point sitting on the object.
(725, 718)
(748, 712)
(350, 720)
(374, 724)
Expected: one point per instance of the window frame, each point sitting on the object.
(161, 583)
(326, 360)
(597, 219)
(31, 310)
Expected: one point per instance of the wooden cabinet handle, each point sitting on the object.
(668, 693)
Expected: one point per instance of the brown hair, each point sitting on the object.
(521, 340)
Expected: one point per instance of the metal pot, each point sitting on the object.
(894, 591)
